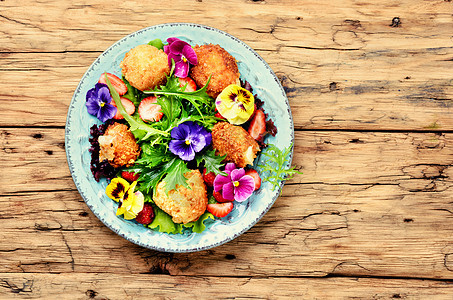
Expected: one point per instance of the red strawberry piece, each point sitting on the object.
(191, 85)
(146, 215)
(208, 177)
(128, 105)
(149, 110)
(220, 210)
(218, 115)
(218, 196)
(255, 176)
(257, 128)
(117, 83)
(130, 176)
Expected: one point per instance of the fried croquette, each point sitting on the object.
(145, 67)
(234, 142)
(118, 146)
(216, 61)
(184, 205)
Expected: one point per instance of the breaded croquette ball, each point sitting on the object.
(213, 59)
(145, 67)
(235, 142)
(118, 146)
(184, 205)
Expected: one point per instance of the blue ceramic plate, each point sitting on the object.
(252, 68)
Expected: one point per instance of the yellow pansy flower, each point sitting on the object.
(132, 203)
(117, 189)
(236, 104)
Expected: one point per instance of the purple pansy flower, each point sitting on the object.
(189, 138)
(182, 53)
(98, 102)
(236, 185)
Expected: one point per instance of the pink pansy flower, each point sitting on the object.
(236, 185)
(182, 53)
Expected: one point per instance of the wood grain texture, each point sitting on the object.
(367, 204)
(110, 286)
(343, 67)
(370, 218)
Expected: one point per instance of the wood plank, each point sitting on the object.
(413, 161)
(40, 28)
(352, 99)
(112, 286)
(342, 68)
(367, 204)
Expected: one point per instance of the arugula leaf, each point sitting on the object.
(172, 88)
(199, 225)
(170, 108)
(135, 125)
(157, 43)
(175, 170)
(276, 168)
(132, 93)
(212, 162)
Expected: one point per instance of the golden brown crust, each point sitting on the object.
(234, 142)
(213, 59)
(118, 145)
(184, 205)
(145, 67)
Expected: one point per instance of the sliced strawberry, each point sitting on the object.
(128, 105)
(149, 110)
(220, 210)
(130, 176)
(146, 215)
(255, 176)
(208, 177)
(117, 83)
(218, 196)
(191, 85)
(257, 128)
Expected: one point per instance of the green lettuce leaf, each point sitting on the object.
(199, 225)
(157, 43)
(163, 223)
(175, 170)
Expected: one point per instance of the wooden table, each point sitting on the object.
(371, 90)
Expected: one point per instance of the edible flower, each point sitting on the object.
(98, 102)
(183, 55)
(131, 202)
(189, 138)
(236, 185)
(236, 104)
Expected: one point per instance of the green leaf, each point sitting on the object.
(132, 93)
(153, 156)
(150, 177)
(212, 162)
(163, 223)
(170, 108)
(199, 225)
(175, 170)
(172, 88)
(157, 43)
(276, 167)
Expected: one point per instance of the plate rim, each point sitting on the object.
(82, 193)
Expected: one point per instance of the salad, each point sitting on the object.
(179, 137)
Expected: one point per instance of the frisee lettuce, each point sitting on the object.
(276, 167)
